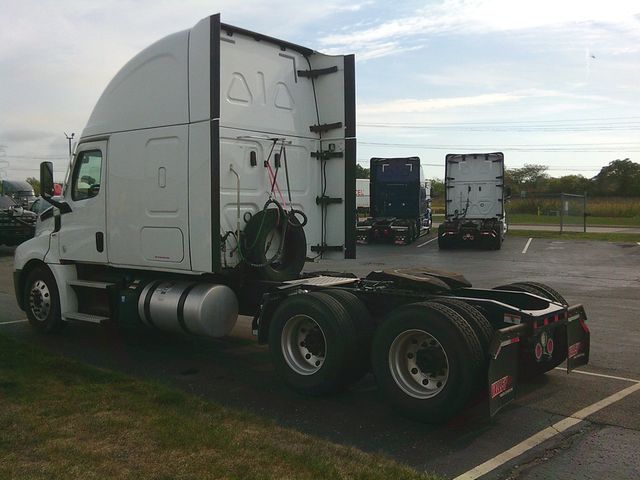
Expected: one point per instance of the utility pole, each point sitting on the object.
(69, 138)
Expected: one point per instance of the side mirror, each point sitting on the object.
(46, 180)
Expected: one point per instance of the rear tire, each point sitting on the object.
(312, 340)
(549, 292)
(536, 288)
(426, 359)
(42, 302)
(444, 243)
(476, 320)
(361, 320)
(496, 244)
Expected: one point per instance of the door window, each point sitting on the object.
(86, 175)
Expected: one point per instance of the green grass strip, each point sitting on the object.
(576, 220)
(605, 237)
(60, 418)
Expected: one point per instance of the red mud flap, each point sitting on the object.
(503, 367)
(578, 338)
(504, 351)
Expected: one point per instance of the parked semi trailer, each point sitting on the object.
(475, 196)
(215, 162)
(362, 197)
(400, 202)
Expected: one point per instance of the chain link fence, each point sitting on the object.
(567, 211)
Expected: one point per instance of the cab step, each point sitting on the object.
(90, 284)
(86, 317)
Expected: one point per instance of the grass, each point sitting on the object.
(597, 206)
(606, 237)
(62, 419)
(532, 219)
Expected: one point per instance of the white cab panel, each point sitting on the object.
(255, 183)
(200, 196)
(199, 71)
(260, 90)
(150, 90)
(330, 90)
(81, 237)
(148, 194)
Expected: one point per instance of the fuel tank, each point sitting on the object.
(189, 307)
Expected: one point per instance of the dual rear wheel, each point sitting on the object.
(429, 358)
(320, 341)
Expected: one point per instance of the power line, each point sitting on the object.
(507, 122)
(554, 168)
(634, 149)
(37, 157)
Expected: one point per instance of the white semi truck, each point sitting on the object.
(475, 196)
(213, 165)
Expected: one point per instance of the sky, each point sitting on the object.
(555, 83)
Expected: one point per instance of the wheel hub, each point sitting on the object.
(40, 300)
(303, 344)
(418, 364)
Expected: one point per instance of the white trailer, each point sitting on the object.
(362, 194)
(213, 165)
(475, 195)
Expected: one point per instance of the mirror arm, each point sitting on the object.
(62, 206)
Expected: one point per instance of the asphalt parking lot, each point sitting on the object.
(590, 421)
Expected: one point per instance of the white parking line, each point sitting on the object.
(526, 247)
(546, 434)
(428, 241)
(14, 321)
(612, 377)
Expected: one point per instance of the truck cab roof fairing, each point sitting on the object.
(151, 90)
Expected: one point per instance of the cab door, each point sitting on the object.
(82, 230)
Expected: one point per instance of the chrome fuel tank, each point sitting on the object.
(189, 307)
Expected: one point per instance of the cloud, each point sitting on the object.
(483, 16)
(23, 135)
(411, 105)
(57, 56)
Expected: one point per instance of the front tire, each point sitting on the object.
(42, 302)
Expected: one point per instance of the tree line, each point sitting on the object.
(621, 178)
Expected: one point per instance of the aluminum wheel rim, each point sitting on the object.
(418, 364)
(40, 300)
(274, 238)
(303, 344)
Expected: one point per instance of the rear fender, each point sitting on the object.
(504, 354)
(578, 338)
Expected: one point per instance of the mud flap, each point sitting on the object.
(503, 367)
(578, 338)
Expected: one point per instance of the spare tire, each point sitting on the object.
(262, 238)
